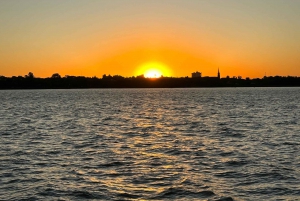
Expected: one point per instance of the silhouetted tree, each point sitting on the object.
(140, 76)
(117, 81)
(30, 75)
(118, 77)
(55, 76)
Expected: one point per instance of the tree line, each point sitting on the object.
(116, 81)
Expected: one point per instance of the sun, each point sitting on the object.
(153, 70)
(152, 73)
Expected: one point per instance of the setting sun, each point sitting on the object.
(153, 73)
(153, 70)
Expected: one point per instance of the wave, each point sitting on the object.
(175, 193)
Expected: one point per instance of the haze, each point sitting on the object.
(91, 38)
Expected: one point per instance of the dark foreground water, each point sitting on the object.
(150, 144)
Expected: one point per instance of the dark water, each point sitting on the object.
(150, 144)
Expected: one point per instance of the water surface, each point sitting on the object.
(150, 144)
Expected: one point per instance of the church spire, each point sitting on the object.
(218, 73)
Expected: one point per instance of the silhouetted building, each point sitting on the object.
(196, 74)
(219, 73)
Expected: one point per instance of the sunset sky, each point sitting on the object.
(121, 37)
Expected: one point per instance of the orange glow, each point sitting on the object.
(153, 73)
(186, 36)
(153, 70)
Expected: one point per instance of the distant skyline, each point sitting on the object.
(248, 38)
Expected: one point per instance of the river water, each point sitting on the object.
(150, 144)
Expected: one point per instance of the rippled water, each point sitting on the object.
(150, 144)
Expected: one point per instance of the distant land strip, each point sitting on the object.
(117, 81)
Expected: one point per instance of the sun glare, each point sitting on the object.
(152, 73)
(153, 70)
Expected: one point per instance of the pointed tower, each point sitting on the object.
(218, 73)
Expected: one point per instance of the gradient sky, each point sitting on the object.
(96, 37)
